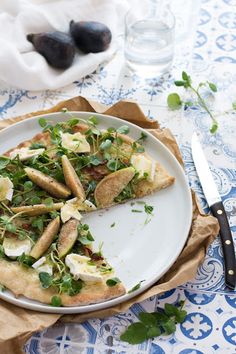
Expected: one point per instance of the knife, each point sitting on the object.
(216, 206)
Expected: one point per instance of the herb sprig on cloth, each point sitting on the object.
(175, 102)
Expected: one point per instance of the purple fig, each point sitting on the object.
(90, 36)
(56, 47)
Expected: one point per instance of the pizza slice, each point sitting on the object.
(46, 184)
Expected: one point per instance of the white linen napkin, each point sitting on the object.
(23, 67)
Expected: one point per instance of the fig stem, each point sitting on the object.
(30, 37)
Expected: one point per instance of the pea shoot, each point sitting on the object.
(174, 101)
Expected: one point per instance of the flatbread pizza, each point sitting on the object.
(46, 184)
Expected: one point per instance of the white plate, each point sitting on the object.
(136, 251)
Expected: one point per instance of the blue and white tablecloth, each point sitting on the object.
(208, 50)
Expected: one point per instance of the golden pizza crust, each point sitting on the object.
(25, 281)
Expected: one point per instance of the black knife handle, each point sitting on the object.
(218, 211)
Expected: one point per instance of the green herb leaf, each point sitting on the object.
(37, 146)
(56, 301)
(26, 260)
(136, 211)
(119, 141)
(17, 200)
(2, 253)
(73, 122)
(170, 309)
(42, 122)
(86, 240)
(38, 223)
(148, 209)
(48, 202)
(214, 127)
(11, 227)
(136, 333)
(113, 224)
(186, 78)
(212, 87)
(153, 332)
(93, 120)
(113, 281)
(174, 101)
(4, 161)
(124, 129)
(154, 324)
(76, 286)
(147, 318)
(233, 105)
(105, 144)
(35, 200)
(180, 316)
(143, 136)
(137, 148)
(136, 287)
(94, 160)
(28, 185)
(111, 164)
(179, 83)
(169, 326)
(46, 280)
(111, 130)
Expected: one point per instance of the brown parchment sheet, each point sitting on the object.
(18, 324)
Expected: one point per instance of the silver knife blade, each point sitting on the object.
(208, 184)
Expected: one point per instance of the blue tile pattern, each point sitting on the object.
(210, 326)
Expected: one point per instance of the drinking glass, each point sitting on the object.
(149, 39)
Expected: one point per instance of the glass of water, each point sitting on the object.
(149, 39)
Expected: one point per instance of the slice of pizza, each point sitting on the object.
(46, 184)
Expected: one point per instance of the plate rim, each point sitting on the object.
(38, 306)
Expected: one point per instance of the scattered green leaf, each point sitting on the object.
(124, 129)
(214, 127)
(148, 209)
(105, 144)
(26, 260)
(136, 333)
(42, 122)
(174, 102)
(113, 281)
(155, 324)
(93, 120)
(56, 301)
(212, 86)
(46, 279)
(4, 161)
(135, 287)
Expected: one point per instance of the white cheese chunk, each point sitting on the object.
(75, 142)
(14, 248)
(80, 269)
(45, 268)
(42, 266)
(39, 262)
(69, 211)
(73, 206)
(6, 188)
(143, 165)
(26, 153)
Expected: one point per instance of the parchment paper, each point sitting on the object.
(18, 324)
